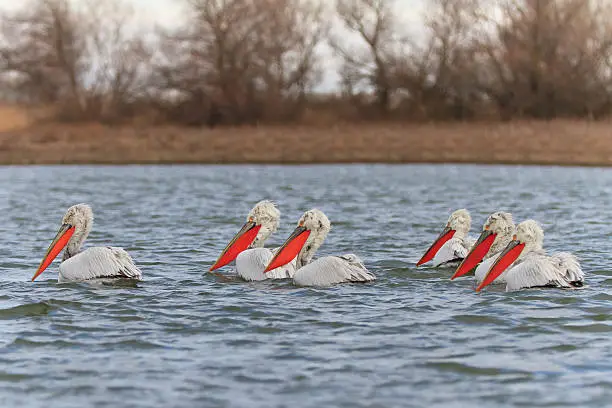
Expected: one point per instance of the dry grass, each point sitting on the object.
(557, 142)
(13, 117)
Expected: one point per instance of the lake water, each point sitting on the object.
(186, 338)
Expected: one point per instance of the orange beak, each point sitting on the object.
(59, 242)
(478, 252)
(505, 259)
(239, 243)
(290, 248)
(447, 233)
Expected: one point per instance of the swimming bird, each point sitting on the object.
(496, 233)
(246, 247)
(453, 244)
(303, 243)
(106, 263)
(525, 264)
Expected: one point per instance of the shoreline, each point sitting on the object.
(295, 164)
(557, 143)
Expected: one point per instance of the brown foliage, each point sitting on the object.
(81, 60)
(259, 61)
(548, 59)
(242, 61)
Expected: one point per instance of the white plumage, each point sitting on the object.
(328, 270)
(483, 268)
(453, 251)
(537, 269)
(502, 225)
(99, 263)
(93, 263)
(533, 267)
(250, 263)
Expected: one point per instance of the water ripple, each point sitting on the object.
(184, 337)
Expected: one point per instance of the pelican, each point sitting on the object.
(93, 263)
(525, 264)
(246, 247)
(496, 234)
(452, 245)
(303, 243)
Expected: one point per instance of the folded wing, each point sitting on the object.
(99, 263)
(330, 270)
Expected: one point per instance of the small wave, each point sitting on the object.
(135, 344)
(32, 309)
(590, 328)
(478, 319)
(56, 343)
(561, 348)
(461, 368)
(12, 377)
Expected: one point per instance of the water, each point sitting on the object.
(185, 338)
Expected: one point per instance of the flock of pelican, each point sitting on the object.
(504, 253)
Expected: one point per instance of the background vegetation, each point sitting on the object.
(236, 62)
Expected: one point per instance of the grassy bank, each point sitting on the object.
(558, 142)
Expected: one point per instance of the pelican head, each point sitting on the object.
(458, 225)
(529, 237)
(267, 215)
(76, 225)
(460, 221)
(496, 234)
(531, 234)
(304, 241)
(261, 222)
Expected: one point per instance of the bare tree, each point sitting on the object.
(548, 58)
(42, 50)
(80, 59)
(287, 56)
(246, 60)
(438, 75)
(375, 24)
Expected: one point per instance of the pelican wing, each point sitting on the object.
(251, 263)
(569, 266)
(330, 270)
(538, 270)
(453, 250)
(99, 263)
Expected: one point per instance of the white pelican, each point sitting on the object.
(247, 246)
(302, 244)
(496, 234)
(526, 265)
(452, 245)
(93, 263)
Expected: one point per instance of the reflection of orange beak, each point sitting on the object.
(505, 259)
(447, 233)
(239, 243)
(289, 250)
(479, 250)
(59, 242)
